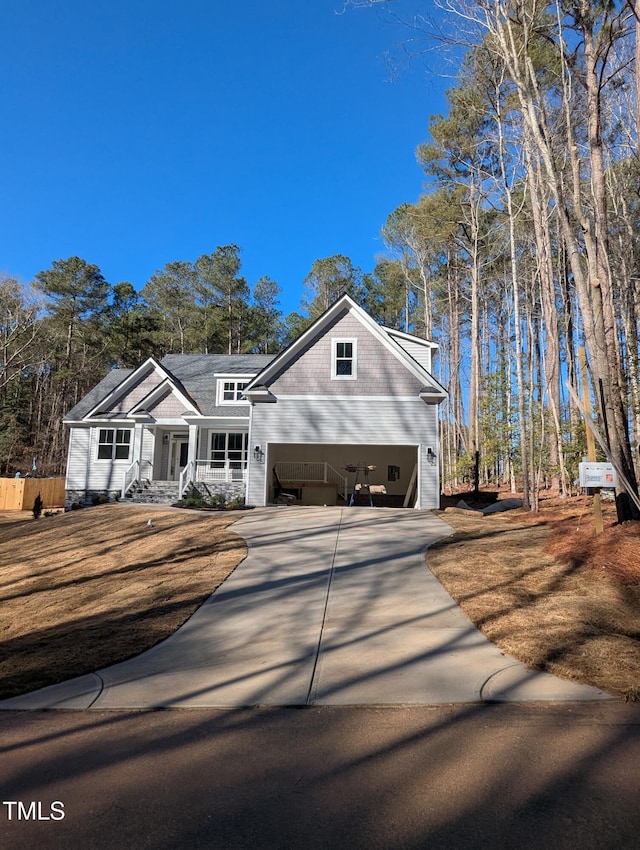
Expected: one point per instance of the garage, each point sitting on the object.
(382, 475)
(349, 400)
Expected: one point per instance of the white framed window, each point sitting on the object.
(114, 443)
(230, 391)
(344, 359)
(229, 451)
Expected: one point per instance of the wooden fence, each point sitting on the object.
(19, 494)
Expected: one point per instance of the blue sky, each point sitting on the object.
(137, 133)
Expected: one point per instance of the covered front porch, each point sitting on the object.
(211, 454)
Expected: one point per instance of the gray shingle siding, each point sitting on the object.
(135, 395)
(378, 371)
(168, 406)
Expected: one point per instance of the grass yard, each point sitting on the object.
(89, 588)
(544, 588)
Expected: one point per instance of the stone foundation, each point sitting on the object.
(87, 498)
(230, 490)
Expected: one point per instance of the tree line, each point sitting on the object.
(523, 251)
(62, 333)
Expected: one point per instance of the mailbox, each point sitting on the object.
(597, 475)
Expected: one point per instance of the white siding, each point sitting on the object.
(84, 471)
(78, 459)
(161, 459)
(340, 421)
(420, 353)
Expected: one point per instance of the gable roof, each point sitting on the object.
(388, 337)
(193, 376)
(95, 396)
(401, 335)
(146, 369)
(165, 387)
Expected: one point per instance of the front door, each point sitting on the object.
(179, 457)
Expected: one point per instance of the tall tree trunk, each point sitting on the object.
(549, 312)
(515, 290)
(474, 341)
(593, 291)
(608, 357)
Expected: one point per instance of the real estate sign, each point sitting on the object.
(597, 474)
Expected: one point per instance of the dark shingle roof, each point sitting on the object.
(95, 396)
(195, 372)
(185, 366)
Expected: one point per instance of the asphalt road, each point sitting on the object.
(536, 775)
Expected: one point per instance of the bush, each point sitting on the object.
(38, 504)
(195, 500)
(216, 502)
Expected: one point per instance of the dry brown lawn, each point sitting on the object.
(90, 588)
(550, 592)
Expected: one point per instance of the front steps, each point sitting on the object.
(154, 493)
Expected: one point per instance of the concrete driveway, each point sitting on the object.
(331, 606)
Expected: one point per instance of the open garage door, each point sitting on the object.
(315, 474)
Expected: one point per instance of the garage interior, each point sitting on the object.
(361, 475)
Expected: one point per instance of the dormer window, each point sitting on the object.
(230, 391)
(344, 366)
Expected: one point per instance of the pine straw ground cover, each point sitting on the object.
(83, 590)
(549, 591)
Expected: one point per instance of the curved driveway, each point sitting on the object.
(331, 606)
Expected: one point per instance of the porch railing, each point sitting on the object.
(187, 476)
(310, 471)
(206, 472)
(137, 472)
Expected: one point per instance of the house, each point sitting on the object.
(348, 409)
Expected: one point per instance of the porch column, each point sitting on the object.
(193, 443)
(141, 419)
(137, 442)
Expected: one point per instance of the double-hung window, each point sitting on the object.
(344, 364)
(114, 443)
(229, 452)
